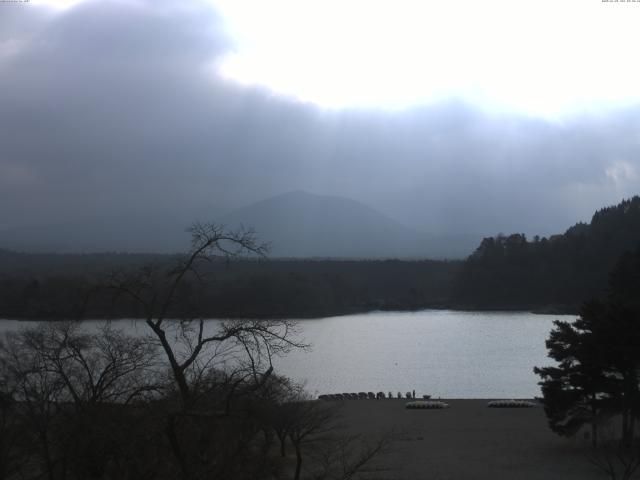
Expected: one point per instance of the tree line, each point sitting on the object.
(555, 273)
(65, 286)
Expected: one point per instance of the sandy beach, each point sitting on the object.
(470, 441)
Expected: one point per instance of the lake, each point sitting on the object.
(444, 353)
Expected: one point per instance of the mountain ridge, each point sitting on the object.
(302, 224)
(298, 224)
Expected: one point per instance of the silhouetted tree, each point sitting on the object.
(314, 431)
(156, 290)
(61, 378)
(616, 461)
(14, 439)
(211, 364)
(576, 390)
(598, 359)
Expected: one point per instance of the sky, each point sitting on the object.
(451, 117)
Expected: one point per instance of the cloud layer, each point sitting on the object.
(116, 108)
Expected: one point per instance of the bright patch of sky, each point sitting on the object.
(545, 57)
(60, 4)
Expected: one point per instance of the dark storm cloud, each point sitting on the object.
(114, 107)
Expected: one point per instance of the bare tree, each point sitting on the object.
(38, 391)
(348, 457)
(14, 455)
(190, 348)
(617, 461)
(64, 379)
(105, 366)
(319, 440)
(614, 457)
(311, 420)
(212, 364)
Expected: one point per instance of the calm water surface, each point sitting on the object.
(444, 353)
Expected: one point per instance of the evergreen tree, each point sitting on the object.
(598, 357)
(576, 390)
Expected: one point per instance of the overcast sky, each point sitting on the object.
(483, 126)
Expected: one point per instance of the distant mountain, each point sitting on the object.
(297, 224)
(301, 224)
(561, 271)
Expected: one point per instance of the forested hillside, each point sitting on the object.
(555, 273)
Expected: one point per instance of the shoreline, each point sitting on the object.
(440, 399)
(350, 312)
